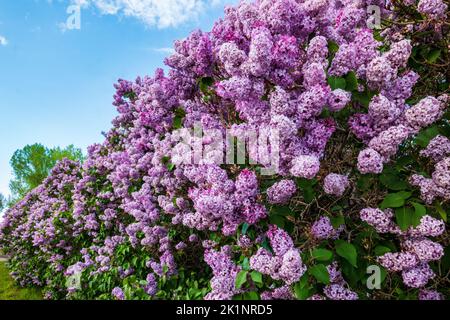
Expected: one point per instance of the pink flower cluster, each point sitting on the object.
(265, 66)
(285, 264)
(417, 250)
(335, 184)
(323, 229)
(338, 287)
(438, 186)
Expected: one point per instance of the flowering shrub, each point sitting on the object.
(363, 177)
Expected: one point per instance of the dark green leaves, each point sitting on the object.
(419, 212)
(347, 251)
(391, 180)
(256, 277)
(322, 254)
(408, 217)
(348, 83)
(337, 221)
(381, 250)
(333, 47)
(320, 272)
(395, 200)
(205, 83)
(351, 82)
(245, 227)
(302, 288)
(337, 83)
(363, 98)
(433, 55)
(403, 217)
(441, 211)
(307, 186)
(252, 295)
(425, 136)
(178, 119)
(281, 211)
(277, 220)
(278, 215)
(241, 278)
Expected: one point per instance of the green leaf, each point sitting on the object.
(301, 289)
(363, 98)
(178, 119)
(433, 55)
(364, 182)
(256, 277)
(393, 182)
(241, 278)
(333, 47)
(337, 83)
(441, 211)
(322, 254)
(281, 211)
(337, 221)
(425, 136)
(352, 81)
(205, 83)
(347, 251)
(403, 217)
(245, 227)
(252, 295)
(419, 212)
(266, 245)
(277, 220)
(246, 264)
(309, 195)
(381, 250)
(395, 200)
(320, 272)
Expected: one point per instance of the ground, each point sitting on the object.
(9, 290)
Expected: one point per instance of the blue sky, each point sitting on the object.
(56, 85)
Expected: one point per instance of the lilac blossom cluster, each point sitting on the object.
(335, 184)
(417, 250)
(281, 192)
(133, 210)
(284, 264)
(438, 186)
(323, 229)
(338, 288)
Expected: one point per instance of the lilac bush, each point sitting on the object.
(144, 217)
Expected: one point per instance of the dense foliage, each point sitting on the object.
(363, 179)
(2, 202)
(32, 164)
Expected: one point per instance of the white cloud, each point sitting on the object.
(164, 50)
(159, 13)
(3, 41)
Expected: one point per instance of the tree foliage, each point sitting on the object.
(2, 202)
(32, 164)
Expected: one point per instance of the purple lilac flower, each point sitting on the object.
(425, 294)
(118, 293)
(281, 192)
(335, 184)
(305, 167)
(437, 149)
(339, 292)
(418, 277)
(370, 161)
(435, 9)
(323, 229)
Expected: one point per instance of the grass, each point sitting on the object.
(9, 290)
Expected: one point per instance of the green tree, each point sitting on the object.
(32, 164)
(2, 202)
